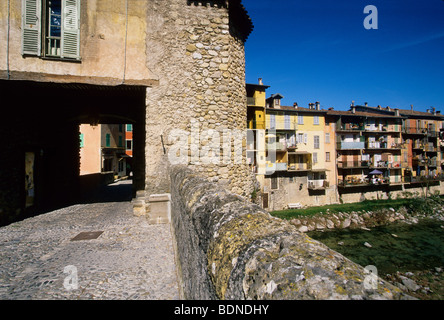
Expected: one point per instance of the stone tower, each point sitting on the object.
(197, 114)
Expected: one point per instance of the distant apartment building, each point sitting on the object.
(329, 156)
(291, 154)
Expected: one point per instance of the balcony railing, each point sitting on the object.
(350, 127)
(414, 130)
(353, 164)
(350, 145)
(430, 147)
(299, 166)
(251, 101)
(318, 184)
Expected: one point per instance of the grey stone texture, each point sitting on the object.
(131, 259)
(229, 248)
(198, 58)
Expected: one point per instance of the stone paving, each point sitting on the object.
(129, 260)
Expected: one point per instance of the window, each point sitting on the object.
(108, 140)
(300, 138)
(120, 127)
(129, 127)
(129, 144)
(272, 121)
(327, 156)
(316, 142)
(300, 119)
(51, 28)
(327, 138)
(287, 121)
(274, 183)
(315, 157)
(316, 120)
(120, 141)
(82, 140)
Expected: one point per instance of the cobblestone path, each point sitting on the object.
(129, 260)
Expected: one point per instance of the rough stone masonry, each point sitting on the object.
(197, 54)
(229, 248)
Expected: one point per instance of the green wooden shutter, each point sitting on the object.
(31, 27)
(70, 43)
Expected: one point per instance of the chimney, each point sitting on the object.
(260, 81)
(434, 111)
(397, 112)
(352, 104)
(411, 107)
(310, 105)
(366, 104)
(353, 109)
(318, 105)
(379, 107)
(295, 105)
(388, 108)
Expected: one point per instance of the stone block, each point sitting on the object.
(160, 208)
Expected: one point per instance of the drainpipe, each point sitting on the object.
(126, 39)
(7, 41)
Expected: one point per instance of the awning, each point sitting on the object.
(375, 172)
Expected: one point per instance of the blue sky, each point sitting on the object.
(319, 50)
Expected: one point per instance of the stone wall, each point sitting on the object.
(229, 248)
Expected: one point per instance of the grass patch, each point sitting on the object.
(368, 205)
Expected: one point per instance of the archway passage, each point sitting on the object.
(40, 159)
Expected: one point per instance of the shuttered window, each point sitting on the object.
(31, 27)
(51, 28)
(71, 29)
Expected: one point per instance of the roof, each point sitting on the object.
(360, 114)
(275, 96)
(255, 85)
(402, 112)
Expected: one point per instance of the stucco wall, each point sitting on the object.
(112, 45)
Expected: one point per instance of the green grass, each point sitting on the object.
(368, 205)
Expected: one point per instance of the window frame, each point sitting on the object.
(316, 144)
(35, 30)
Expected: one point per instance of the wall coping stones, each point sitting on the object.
(229, 248)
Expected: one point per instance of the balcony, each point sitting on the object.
(318, 184)
(350, 145)
(423, 179)
(353, 164)
(414, 130)
(430, 148)
(382, 128)
(274, 167)
(383, 145)
(299, 166)
(251, 101)
(350, 127)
